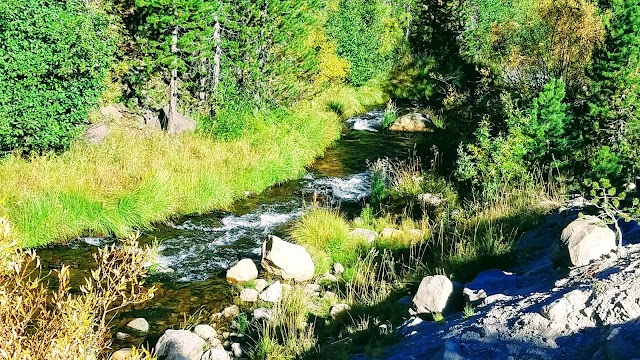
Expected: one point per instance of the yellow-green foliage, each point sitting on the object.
(134, 179)
(37, 323)
(324, 233)
(333, 69)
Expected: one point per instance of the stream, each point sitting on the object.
(197, 250)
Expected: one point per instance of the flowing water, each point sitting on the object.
(197, 250)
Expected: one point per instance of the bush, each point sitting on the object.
(54, 59)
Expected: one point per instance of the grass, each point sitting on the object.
(136, 178)
(390, 115)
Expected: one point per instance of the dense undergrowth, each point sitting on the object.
(134, 179)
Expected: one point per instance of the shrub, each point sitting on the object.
(38, 324)
(390, 115)
(53, 64)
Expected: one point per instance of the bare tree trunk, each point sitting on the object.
(216, 57)
(173, 101)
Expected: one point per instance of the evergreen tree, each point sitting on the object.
(613, 116)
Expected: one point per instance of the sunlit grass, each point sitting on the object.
(134, 179)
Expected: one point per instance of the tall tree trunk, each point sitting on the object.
(173, 101)
(216, 57)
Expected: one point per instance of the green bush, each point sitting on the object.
(54, 57)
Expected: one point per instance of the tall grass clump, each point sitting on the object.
(136, 178)
(390, 114)
(287, 335)
(325, 234)
(37, 323)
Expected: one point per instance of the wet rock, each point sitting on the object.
(249, 295)
(261, 284)
(236, 349)
(490, 282)
(96, 133)
(262, 314)
(583, 240)
(139, 324)
(244, 270)
(122, 335)
(338, 308)
(434, 293)
(391, 233)
(231, 311)
(273, 293)
(365, 234)
(413, 122)
(206, 332)
(122, 354)
(180, 345)
(287, 260)
(216, 354)
(338, 269)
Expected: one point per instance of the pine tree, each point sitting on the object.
(613, 116)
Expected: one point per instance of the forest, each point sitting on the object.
(119, 115)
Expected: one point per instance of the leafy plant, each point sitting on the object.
(390, 114)
(468, 311)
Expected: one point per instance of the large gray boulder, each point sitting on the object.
(180, 345)
(583, 240)
(244, 270)
(413, 122)
(434, 295)
(287, 260)
(96, 133)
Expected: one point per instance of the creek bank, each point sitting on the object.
(537, 310)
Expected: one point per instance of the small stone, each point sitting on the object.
(237, 351)
(249, 295)
(390, 233)
(330, 295)
(122, 335)
(287, 260)
(329, 278)
(122, 354)
(244, 270)
(261, 284)
(262, 313)
(216, 354)
(338, 269)
(338, 308)
(273, 293)
(206, 332)
(225, 335)
(139, 324)
(231, 311)
(368, 235)
(311, 289)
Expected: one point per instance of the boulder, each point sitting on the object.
(287, 260)
(261, 284)
(231, 311)
(434, 294)
(122, 354)
(413, 122)
(181, 123)
(365, 234)
(206, 332)
(216, 354)
(583, 240)
(273, 293)
(96, 133)
(150, 119)
(338, 308)
(180, 345)
(139, 324)
(488, 283)
(249, 295)
(244, 270)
